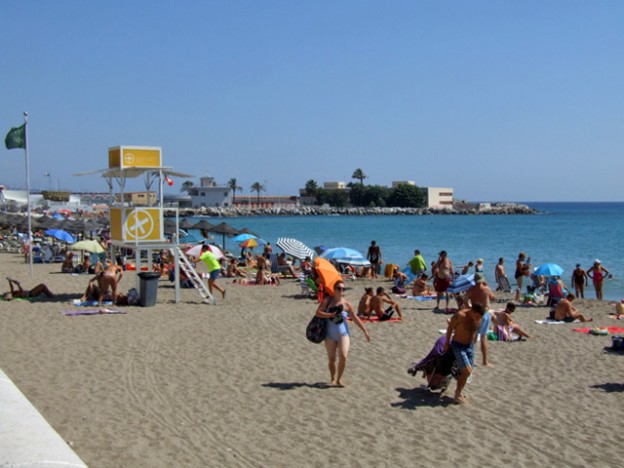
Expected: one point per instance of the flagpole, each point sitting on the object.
(30, 236)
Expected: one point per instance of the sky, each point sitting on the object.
(500, 100)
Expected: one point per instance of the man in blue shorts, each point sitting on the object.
(460, 338)
(214, 269)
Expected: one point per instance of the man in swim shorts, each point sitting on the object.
(460, 337)
(384, 306)
(374, 256)
(214, 269)
(567, 312)
(579, 280)
(481, 294)
(443, 275)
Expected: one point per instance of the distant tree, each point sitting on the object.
(186, 186)
(233, 186)
(359, 175)
(311, 187)
(368, 196)
(406, 196)
(257, 187)
(338, 198)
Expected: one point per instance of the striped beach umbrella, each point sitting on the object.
(461, 283)
(294, 248)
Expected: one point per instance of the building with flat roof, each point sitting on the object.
(439, 197)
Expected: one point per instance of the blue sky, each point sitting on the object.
(500, 100)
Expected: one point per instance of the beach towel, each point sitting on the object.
(417, 298)
(79, 303)
(599, 330)
(73, 313)
(554, 322)
(374, 318)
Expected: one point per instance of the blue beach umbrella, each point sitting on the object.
(548, 269)
(243, 237)
(61, 235)
(461, 283)
(346, 255)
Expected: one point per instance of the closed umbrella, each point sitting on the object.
(294, 248)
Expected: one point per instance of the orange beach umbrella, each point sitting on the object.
(328, 274)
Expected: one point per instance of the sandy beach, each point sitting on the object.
(238, 384)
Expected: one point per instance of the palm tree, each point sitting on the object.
(187, 185)
(311, 187)
(359, 175)
(233, 186)
(257, 187)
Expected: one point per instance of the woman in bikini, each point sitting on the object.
(598, 273)
(337, 309)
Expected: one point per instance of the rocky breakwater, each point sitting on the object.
(464, 209)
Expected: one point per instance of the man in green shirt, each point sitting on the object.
(417, 264)
(214, 269)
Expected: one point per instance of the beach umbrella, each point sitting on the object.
(461, 283)
(192, 239)
(88, 245)
(248, 231)
(249, 243)
(203, 225)
(294, 248)
(61, 235)
(186, 224)
(548, 269)
(346, 255)
(225, 230)
(328, 274)
(319, 249)
(243, 237)
(196, 251)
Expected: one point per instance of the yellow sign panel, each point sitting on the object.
(123, 157)
(137, 225)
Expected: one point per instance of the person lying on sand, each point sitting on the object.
(567, 312)
(377, 304)
(18, 292)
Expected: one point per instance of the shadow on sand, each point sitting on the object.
(293, 385)
(609, 387)
(421, 396)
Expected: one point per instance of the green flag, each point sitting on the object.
(16, 138)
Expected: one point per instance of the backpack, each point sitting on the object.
(133, 297)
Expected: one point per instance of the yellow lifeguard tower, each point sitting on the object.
(142, 228)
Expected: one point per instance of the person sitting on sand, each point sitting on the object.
(567, 312)
(68, 264)
(364, 307)
(284, 266)
(400, 282)
(18, 292)
(233, 270)
(503, 319)
(109, 278)
(421, 288)
(461, 335)
(378, 302)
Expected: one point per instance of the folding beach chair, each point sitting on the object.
(503, 284)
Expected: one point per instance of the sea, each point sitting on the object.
(561, 233)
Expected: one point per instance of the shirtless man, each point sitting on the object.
(460, 337)
(364, 307)
(580, 278)
(421, 287)
(400, 281)
(481, 294)
(567, 312)
(499, 274)
(503, 319)
(443, 275)
(377, 305)
(109, 278)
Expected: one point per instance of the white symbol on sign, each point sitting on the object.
(139, 225)
(129, 158)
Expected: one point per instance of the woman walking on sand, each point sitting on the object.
(598, 273)
(336, 309)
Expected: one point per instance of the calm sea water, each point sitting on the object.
(563, 233)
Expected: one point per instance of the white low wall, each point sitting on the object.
(26, 438)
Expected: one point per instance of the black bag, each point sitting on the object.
(316, 329)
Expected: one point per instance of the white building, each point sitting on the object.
(209, 194)
(439, 197)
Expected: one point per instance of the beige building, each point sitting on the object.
(138, 198)
(439, 197)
